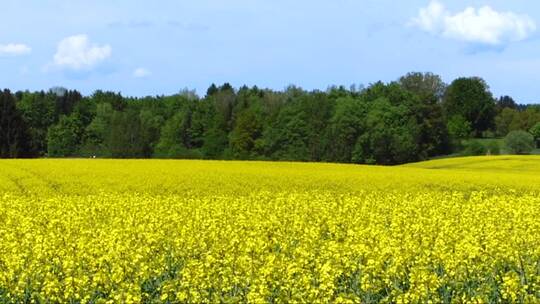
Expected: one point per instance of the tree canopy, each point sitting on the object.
(412, 119)
(471, 99)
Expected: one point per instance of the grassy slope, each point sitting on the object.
(529, 164)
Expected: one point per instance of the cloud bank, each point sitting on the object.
(77, 53)
(482, 25)
(14, 49)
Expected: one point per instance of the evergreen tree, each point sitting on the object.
(14, 135)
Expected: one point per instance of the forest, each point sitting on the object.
(414, 118)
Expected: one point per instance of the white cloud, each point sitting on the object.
(141, 73)
(14, 49)
(77, 53)
(430, 17)
(478, 25)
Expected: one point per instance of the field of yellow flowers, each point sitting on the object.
(158, 231)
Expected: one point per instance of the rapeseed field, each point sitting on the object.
(156, 231)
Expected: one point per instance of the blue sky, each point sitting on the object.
(160, 47)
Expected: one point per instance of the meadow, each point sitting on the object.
(164, 231)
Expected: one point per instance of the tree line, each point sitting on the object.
(411, 119)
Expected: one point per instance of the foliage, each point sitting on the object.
(506, 102)
(96, 133)
(414, 118)
(124, 140)
(471, 99)
(392, 138)
(345, 127)
(535, 131)
(14, 133)
(429, 90)
(244, 137)
(506, 121)
(519, 142)
(39, 112)
(426, 85)
(459, 127)
(474, 147)
(493, 147)
(514, 119)
(63, 139)
(172, 141)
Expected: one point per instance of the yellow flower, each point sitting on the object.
(116, 231)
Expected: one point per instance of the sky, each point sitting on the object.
(140, 47)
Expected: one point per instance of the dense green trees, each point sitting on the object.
(519, 142)
(470, 99)
(39, 113)
(393, 135)
(458, 127)
(427, 86)
(506, 102)
(14, 134)
(345, 127)
(64, 138)
(535, 132)
(97, 132)
(513, 119)
(429, 90)
(414, 118)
